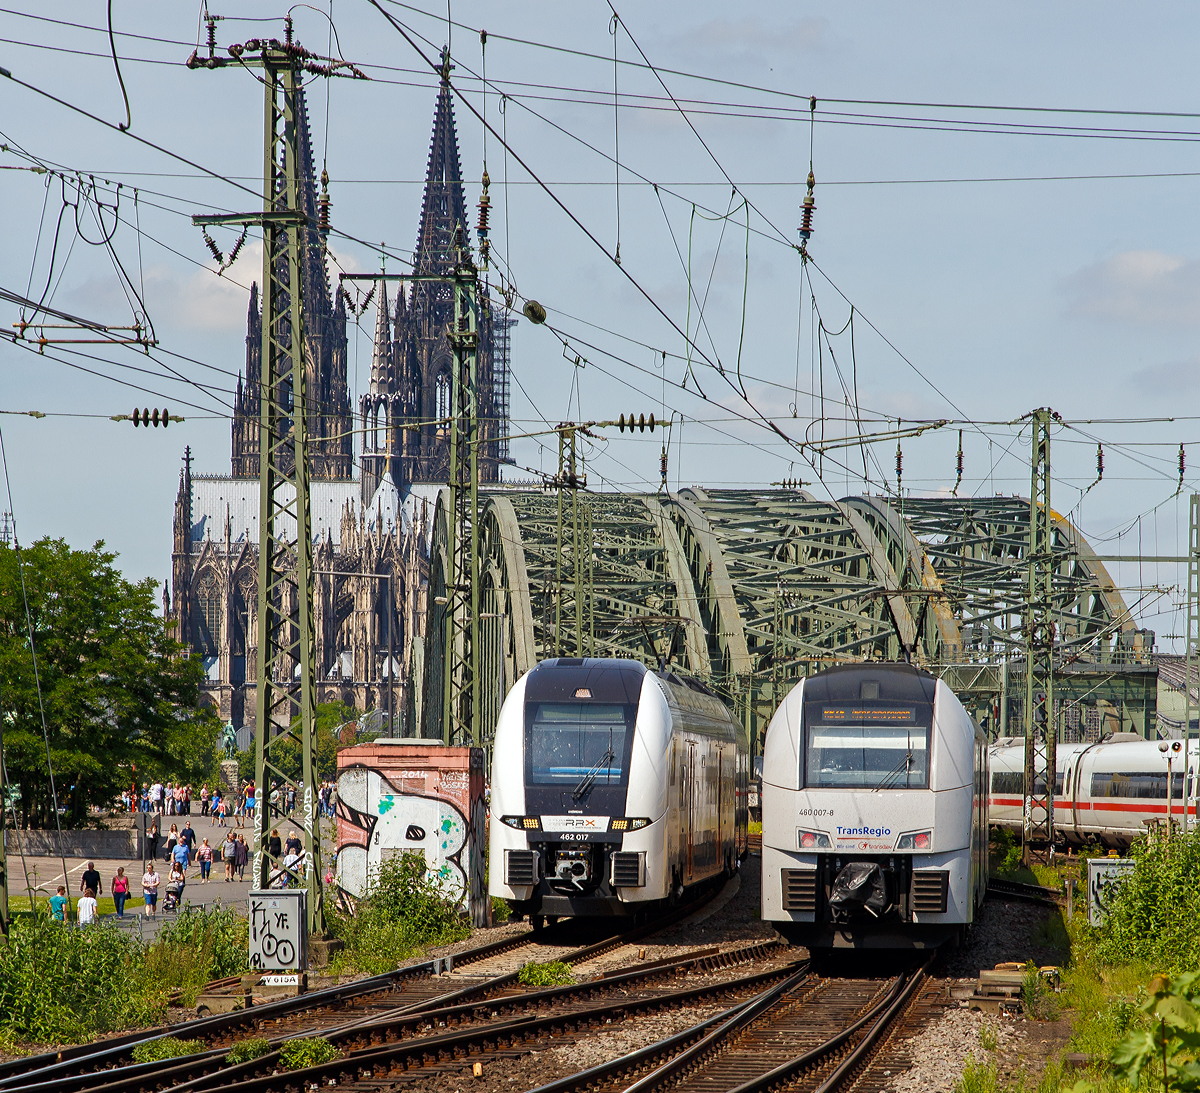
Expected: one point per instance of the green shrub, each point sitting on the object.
(501, 912)
(551, 974)
(311, 1051)
(245, 1050)
(153, 1051)
(60, 984)
(977, 1078)
(1154, 917)
(202, 944)
(403, 912)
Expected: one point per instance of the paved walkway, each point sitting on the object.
(46, 874)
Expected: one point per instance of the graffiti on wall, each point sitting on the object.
(378, 820)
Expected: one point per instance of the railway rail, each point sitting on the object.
(1031, 893)
(409, 1046)
(401, 996)
(840, 1024)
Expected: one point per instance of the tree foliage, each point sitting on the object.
(118, 693)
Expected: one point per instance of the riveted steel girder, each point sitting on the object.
(751, 590)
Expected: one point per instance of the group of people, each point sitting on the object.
(91, 886)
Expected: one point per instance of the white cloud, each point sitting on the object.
(1139, 286)
(198, 300)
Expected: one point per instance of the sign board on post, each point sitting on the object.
(278, 931)
(1105, 876)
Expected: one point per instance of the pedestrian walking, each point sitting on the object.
(275, 845)
(87, 907)
(243, 856)
(229, 855)
(153, 835)
(120, 891)
(58, 904)
(204, 799)
(90, 879)
(188, 836)
(172, 841)
(150, 883)
(204, 855)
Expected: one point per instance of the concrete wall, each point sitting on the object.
(110, 845)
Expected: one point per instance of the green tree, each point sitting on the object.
(118, 692)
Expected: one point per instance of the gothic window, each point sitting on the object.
(442, 391)
(366, 424)
(208, 615)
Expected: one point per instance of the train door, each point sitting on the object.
(689, 809)
(720, 804)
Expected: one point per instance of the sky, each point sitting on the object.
(1005, 205)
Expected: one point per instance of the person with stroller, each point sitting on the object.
(176, 882)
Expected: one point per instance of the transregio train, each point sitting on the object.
(875, 818)
(613, 788)
(1106, 792)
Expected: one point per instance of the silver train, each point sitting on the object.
(1108, 792)
(875, 816)
(613, 788)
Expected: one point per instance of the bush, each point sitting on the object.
(501, 912)
(403, 912)
(552, 974)
(153, 1051)
(59, 984)
(245, 1050)
(202, 944)
(1154, 917)
(311, 1051)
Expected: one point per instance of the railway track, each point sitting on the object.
(803, 1033)
(1031, 893)
(410, 1046)
(401, 997)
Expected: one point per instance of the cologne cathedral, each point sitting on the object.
(371, 531)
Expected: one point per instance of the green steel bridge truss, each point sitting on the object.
(751, 590)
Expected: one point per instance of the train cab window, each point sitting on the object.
(568, 742)
(867, 728)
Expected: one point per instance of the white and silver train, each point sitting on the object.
(875, 818)
(613, 788)
(1107, 792)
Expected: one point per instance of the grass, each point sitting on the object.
(104, 905)
(311, 1051)
(553, 973)
(245, 1050)
(166, 1048)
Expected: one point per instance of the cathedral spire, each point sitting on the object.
(381, 359)
(444, 206)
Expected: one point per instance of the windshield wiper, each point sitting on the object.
(585, 783)
(904, 765)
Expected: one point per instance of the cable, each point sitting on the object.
(117, 65)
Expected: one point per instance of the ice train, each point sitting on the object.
(614, 787)
(874, 804)
(1107, 792)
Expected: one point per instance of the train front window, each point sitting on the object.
(577, 744)
(865, 749)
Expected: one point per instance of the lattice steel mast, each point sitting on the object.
(1039, 637)
(286, 662)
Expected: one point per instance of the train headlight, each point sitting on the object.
(812, 840)
(630, 823)
(522, 823)
(915, 840)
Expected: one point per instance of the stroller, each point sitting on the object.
(173, 896)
